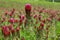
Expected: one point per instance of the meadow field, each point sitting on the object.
(29, 20)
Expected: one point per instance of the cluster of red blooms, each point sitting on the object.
(7, 30)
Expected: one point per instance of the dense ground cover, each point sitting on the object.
(13, 15)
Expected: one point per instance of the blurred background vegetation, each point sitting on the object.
(54, 0)
(20, 3)
(51, 0)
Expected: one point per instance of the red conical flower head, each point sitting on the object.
(28, 7)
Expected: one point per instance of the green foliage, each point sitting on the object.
(54, 0)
